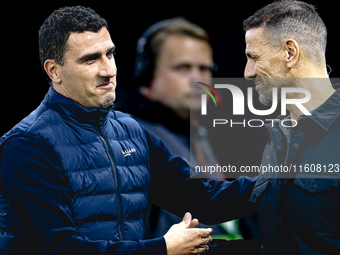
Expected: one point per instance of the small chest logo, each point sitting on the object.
(128, 152)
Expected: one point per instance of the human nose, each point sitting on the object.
(108, 68)
(195, 73)
(249, 71)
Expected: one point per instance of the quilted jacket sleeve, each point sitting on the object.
(36, 189)
(211, 202)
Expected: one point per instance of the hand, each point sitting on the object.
(186, 238)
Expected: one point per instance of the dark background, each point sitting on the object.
(23, 85)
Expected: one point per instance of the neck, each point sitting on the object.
(320, 87)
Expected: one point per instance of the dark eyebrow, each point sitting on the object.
(112, 48)
(89, 56)
(94, 56)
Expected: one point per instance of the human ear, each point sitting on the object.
(148, 91)
(51, 68)
(292, 50)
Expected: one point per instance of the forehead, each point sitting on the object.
(181, 47)
(79, 43)
(255, 40)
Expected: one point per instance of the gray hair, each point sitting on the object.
(297, 20)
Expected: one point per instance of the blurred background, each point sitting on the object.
(24, 86)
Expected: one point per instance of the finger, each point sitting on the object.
(193, 223)
(206, 240)
(186, 220)
(205, 232)
(201, 249)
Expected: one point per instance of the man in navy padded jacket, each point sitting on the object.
(76, 176)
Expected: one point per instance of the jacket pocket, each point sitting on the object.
(314, 204)
(315, 183)
(260, 186)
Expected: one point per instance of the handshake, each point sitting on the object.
(186, 238)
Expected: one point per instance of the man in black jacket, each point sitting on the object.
(297, 193)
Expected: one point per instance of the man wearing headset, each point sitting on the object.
(170, 53)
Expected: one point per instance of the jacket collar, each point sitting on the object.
(72, 111)
(324, 115)
(328, 112)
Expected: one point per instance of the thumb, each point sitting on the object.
(186, 220)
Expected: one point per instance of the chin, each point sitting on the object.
(108, 99)
(265, 100)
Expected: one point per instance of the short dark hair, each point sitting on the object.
(56, 29)
(292, 19)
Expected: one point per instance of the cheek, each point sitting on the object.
(262, 69)
(85, 78)
(166, 91)
(178, 87)
(72, 74)
(79, 83)
(272, 68)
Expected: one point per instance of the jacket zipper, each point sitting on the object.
(115, 178)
